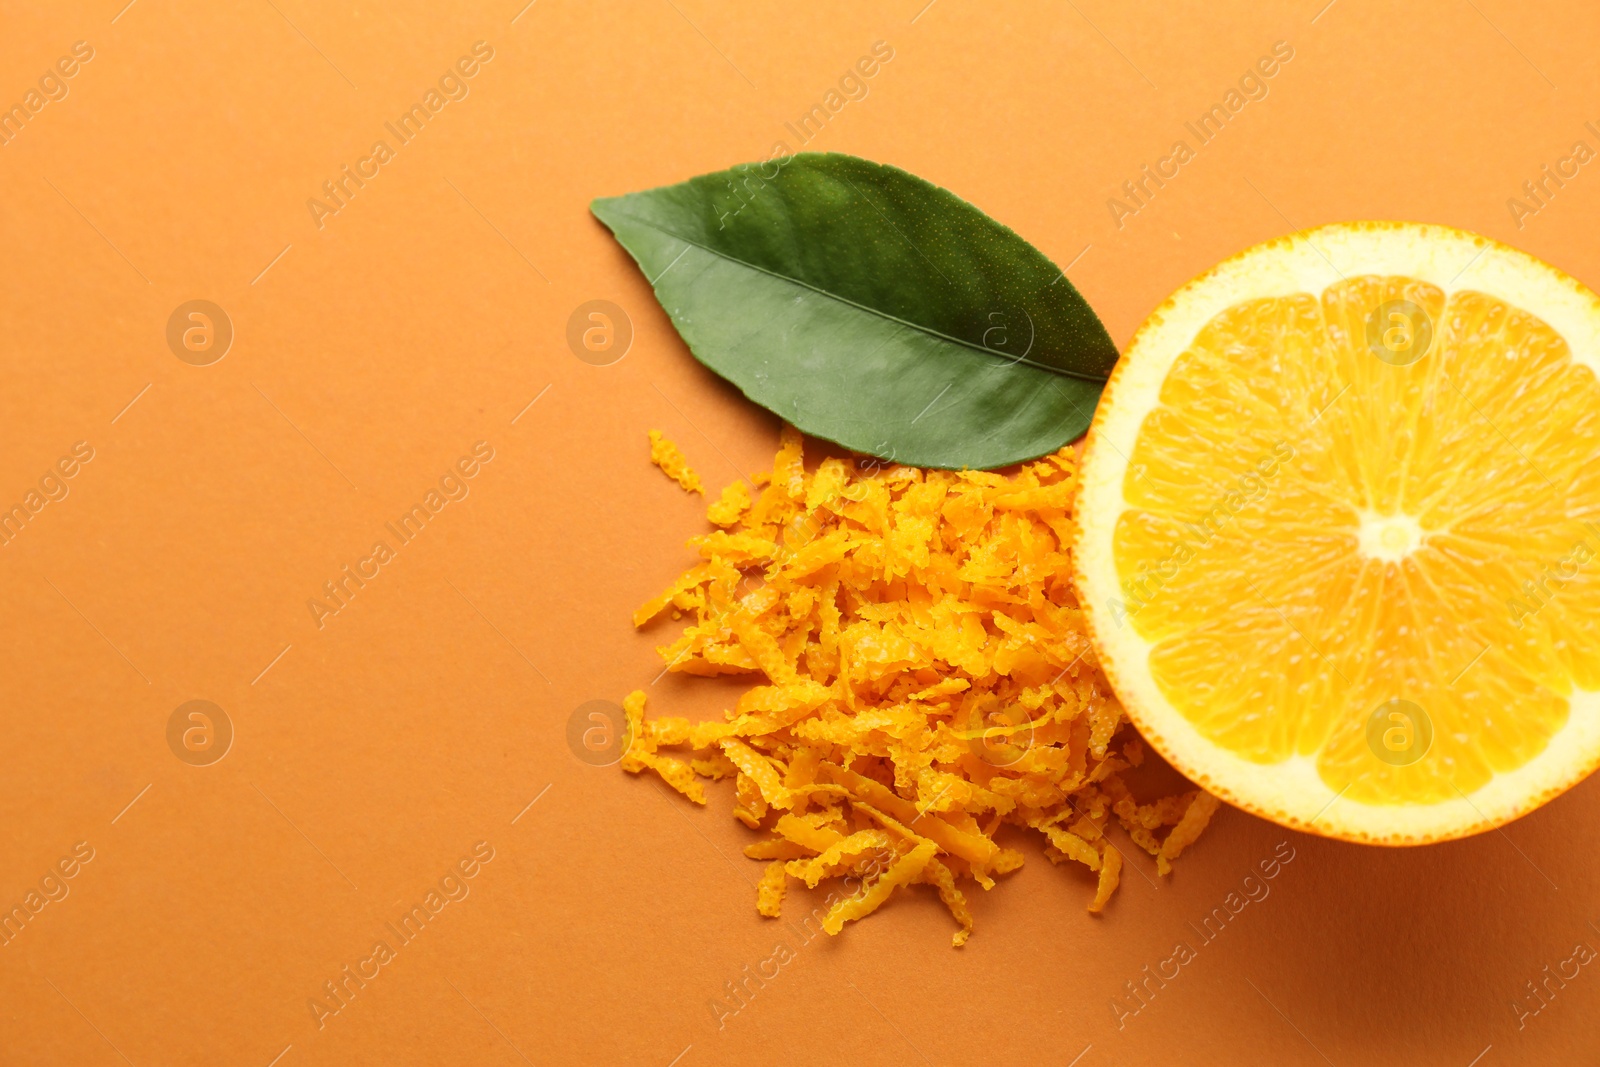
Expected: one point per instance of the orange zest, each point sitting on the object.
(923, 678)
(666, 455)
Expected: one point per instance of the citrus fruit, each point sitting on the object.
(1339, 531)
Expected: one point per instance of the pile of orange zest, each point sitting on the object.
(928, 679)
(667, 456)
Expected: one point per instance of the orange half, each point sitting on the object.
(1339, 531)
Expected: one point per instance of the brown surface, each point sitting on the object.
(425, 716)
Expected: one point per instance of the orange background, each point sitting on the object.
(372, 754)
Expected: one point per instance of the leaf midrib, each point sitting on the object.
(863, 307)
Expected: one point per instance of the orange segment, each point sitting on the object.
(1340, 531)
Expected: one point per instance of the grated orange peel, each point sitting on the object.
(924, 678)
(670, 458)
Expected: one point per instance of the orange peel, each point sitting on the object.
(922, 677)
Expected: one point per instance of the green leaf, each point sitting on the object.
(871, 308)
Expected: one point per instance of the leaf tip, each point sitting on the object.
(599, 207)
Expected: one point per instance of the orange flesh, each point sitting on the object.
(1314, 531)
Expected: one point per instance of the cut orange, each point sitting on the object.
(1339, 532)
